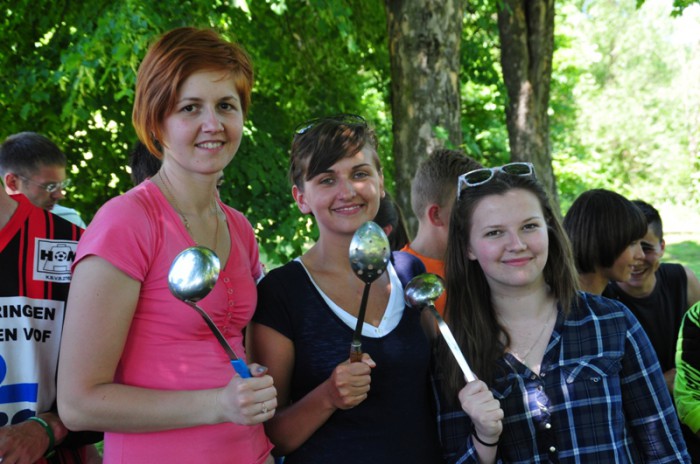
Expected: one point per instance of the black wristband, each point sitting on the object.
(476, 437)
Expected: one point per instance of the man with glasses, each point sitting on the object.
(34, 166)
(37, 249)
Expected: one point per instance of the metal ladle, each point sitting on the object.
(369, 256)
(192, 276)
(421, 292)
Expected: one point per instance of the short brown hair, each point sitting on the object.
(435, 180)
(322, 142)
(26, 152)
(173, 58)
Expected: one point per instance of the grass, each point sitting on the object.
(682, 234)
(685, 252)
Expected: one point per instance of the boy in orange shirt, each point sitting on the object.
(433, 192)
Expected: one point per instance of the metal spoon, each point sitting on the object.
(421, 292)
(192, 276)
(369, 256)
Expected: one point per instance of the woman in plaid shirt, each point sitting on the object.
(564, 376)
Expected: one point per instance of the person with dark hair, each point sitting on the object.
(31, 164)
(432, 197)
(605, 230)
(390, 218)
(142, 163)
(562, 376)
(659, 294)
(331, 410)
(36, 250)
(135, 361)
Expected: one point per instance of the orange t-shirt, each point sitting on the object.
(434, 266)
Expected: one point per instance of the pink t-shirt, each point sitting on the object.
(169, 346)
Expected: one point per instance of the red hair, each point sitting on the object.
(172, 59)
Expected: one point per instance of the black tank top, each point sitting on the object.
(660, 313)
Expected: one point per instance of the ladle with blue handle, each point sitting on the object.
(192, 276)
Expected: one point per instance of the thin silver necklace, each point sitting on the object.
(524, 356)
(176, 206)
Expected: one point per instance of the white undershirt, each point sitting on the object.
(392, 314)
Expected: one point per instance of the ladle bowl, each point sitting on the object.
(369, 256)
(193, 274)
(421, 292)
(424, 290)
(369, 252)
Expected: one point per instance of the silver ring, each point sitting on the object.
(264, 407)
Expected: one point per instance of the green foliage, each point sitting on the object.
(70, 74)
(483, 91)
(313, 59)
(679, 6)
(70, 71)
(624, 88)
(624, 93)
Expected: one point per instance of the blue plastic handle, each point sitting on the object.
(241, 368)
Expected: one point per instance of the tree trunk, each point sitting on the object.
(424, 48)
(526, 30)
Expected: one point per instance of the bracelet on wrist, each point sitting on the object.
(476, 437)
(49, 432)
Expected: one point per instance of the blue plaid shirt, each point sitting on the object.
(600, 398)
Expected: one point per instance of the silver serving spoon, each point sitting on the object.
(369, 256)
(192, 276)
(421, 292)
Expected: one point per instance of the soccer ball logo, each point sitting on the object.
(61, 254)
(59, 259)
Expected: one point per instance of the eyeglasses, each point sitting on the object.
(343, 118)
(50, 187)
(481, 176)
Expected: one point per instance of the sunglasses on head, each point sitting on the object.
(343, 118)
(481, 176)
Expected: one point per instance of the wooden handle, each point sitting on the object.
(356, 352)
